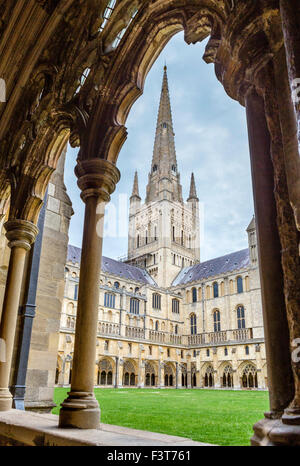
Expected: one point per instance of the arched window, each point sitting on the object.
(176, 329)
(134, 306)
(175, 306)
(155, 233)
(246, 349)
(217, 321)
(157, 325)
(194, 294)
(193, 320)
(156, 301)
(109, 300)
(216, 289)
(173, 233)
(225, 352)
(182, 238)
(241, 317)
(117, 285)
(239, 284)
(138, 241)
(154, 168)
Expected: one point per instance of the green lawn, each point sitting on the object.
(213, 416)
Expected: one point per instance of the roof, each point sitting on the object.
(114, 267)
(219, 266)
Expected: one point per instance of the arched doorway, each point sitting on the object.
(209, 377)
(249, 376)
(129, 377)
(149, 375)
(105, 372)
(227, 377)
(169, 375)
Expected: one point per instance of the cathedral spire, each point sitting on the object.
(135, 189)
(193, 192)
(164, 163)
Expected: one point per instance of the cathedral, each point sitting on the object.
(166, 319)
(70, 73)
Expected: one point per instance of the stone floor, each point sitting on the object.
(32, 429)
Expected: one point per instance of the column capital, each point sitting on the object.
(96, 178)
(20, 233)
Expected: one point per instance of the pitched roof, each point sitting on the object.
(221, 265)
(114, 267)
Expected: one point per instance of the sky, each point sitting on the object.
(210, 139)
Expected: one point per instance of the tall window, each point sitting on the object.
(157, 325)
(146, 237)
(156, 301)
(239, 284)
(246, 349)
(194, 295)
(241, 317)
(175, 306)
(176, 329)
(138, 241)
(182, 238)
(173, 233)
(193, 319)
(109, 300)
(155, 233)
(134, 306)
(76, 292)
(217, 321)
(216, 290)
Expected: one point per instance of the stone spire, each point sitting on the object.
(164, 175)
(193, 192)
(135, 189)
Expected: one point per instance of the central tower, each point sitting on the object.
(164, 231)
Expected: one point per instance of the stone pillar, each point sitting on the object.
(97, 179)
(120, 373)
(20, 234)
(269, 251)
(189, 372)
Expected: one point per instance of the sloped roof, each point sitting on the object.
(219, 266)
(114, 267)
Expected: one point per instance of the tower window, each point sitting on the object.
(156, 301)
(241, 317)
(164, 125)
(217, 322)
(239, 282)
(76, 292)
(134, 306)
(194, 293)
(175, 306)
(216, 290)
(154, 168)
(109, 300)
(174, 168)
(193, 324)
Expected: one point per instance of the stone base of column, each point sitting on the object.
(80, 410)
(41, 407)
(6, 399)
(273, 432)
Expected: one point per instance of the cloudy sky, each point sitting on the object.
(211, 140)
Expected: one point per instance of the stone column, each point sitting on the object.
(97, 179)
(189, 373)
(20, 234)
(269, 252)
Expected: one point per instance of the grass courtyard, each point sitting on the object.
(213, 416)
